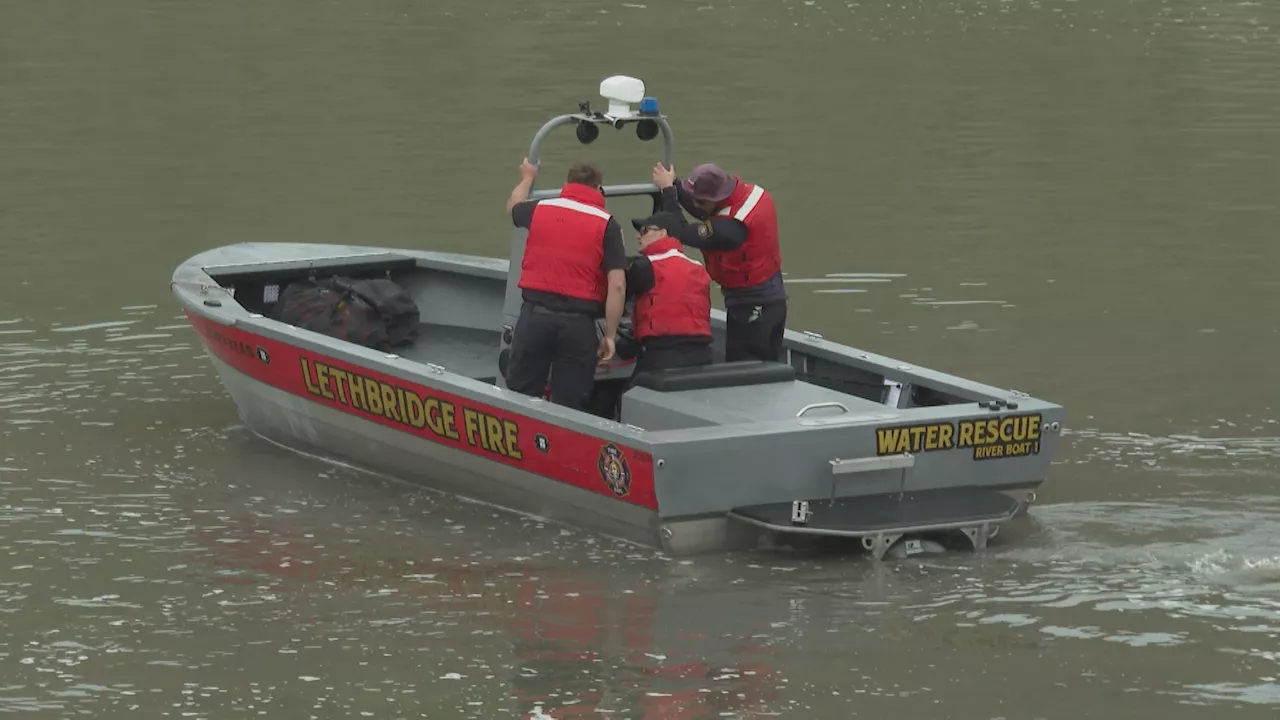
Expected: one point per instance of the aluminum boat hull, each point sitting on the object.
(692, 465)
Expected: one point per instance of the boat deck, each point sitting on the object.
(462, 350)
(720, 394)
(653, 410)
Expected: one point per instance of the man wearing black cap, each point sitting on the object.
(738, 237)
(672, 315)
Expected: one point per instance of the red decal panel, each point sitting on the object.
(538, 447)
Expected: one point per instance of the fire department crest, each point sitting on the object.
(614, 470)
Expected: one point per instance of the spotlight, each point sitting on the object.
(646, 130)
(587, 132)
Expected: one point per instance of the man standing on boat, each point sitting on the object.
(738, 237)
(573, 272)
(672, 315)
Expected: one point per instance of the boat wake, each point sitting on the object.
(1224, 543)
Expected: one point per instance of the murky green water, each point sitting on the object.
(1076, 199)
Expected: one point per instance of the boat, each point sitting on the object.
(831, 442)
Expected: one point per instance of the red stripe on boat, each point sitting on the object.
(571, 457)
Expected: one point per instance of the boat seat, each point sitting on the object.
(718, 375)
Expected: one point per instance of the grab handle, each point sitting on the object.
(668, 138)
(815, 406)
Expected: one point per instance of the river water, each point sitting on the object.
(1075, 199)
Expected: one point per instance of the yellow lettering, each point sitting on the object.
(472, 423)
(389, 409)
(481, 435)
(306, 377)
(489, 432)
(400, 403)
(931, 437)
(322, 380)
(917, 438)
(904, 440)
(512, 432)
(980, 433)
(1006, 429)
(493, 429)
(492, 433)
(434, 421)
(355, 386)
(448, 420)
(373, 395)
(415, 416)
(339, 377)
(920, 438)
(1020, 428)
(886, 440)
(966, 434)
(1014, 436)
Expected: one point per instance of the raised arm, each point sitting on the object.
(520, 193)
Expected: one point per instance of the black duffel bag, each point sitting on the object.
(398, 310)
(319, 306)
(375, 313)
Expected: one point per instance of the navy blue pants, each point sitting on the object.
(754, 332)
(663, 357)
(558, 344)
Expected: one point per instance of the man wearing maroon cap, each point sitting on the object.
(738, 237)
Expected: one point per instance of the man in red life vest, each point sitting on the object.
(573, 272)
(671, 319)
(738, 237)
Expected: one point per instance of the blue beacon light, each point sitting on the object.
(649, 106)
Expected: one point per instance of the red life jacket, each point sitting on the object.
(757, 259)
(680, 301)
(564, 252)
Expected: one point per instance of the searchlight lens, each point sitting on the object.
(587, 132)
(646, 130)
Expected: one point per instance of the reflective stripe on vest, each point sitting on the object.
(564, 250)
(672, 253)
(581, 207)
(758, 258)
(748, 205)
